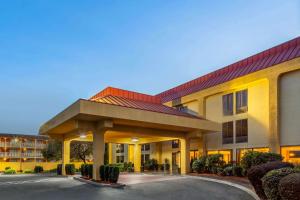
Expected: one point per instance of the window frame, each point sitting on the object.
(241, 101)
(240, 130)
(225, 135)
(228, 104)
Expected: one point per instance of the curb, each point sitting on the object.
(99, 184)
(250, 192)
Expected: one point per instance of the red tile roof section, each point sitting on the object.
(268, 58)
(118, 100)
(110, 91)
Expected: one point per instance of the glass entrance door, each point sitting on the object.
(176, 162)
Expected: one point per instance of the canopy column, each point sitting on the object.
(185, 155)
(65, 154)
(98, 152)
(137, 157)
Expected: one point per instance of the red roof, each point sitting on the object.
(126, 94)
(123, 101)
(268, 58)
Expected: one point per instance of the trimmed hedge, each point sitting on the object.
(70, 169)
(38, 169)
(289, 187)
(257, 172)
(9, 171)
(199, 164)
(59, 169)
(271, 180)
(228, 170)
(254, 158)
(109, 173)
(237, 170)
(86, 170)
(101, 172)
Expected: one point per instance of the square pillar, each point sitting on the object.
(98, 152)
(137, 158)
(184, 156)
(65, 154)
(131, 153)
(110, 153)
(158, 151)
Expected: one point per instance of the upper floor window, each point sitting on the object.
(241, 131)
(228, 104)
(242, 101)
(227, 132)
(146, 147)
(119, 148)
(175, 144)
(120, 159)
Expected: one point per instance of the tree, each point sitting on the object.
(53, 151)
(81, 150)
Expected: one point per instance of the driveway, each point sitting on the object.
(163, 188)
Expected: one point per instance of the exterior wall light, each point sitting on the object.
(82, 136)
(135, 139)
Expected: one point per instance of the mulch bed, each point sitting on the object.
(238, 180)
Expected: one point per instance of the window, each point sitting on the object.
(227, 131)
(291, 154)
(175, 144)
(242, 101)
(119, 148)
(145, 147)
(226, 154)
(145, 158)
(120, 159)
(228, 104)
(241, 131)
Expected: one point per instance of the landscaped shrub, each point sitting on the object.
(214, 160)
(130, 167)
(106, 172)
(38, 169)
(114, 175)
(70, 169)
(101, 172)
(237, 170)
(59, 169)
(110, 171)
(257, 172)
(271, 180)
(253, 158)
(220, 171)
(6, 168)
(151, 165)
(289, 187)
(28, 171)
(10, 171)
(228, 170)
(199, 164)
(89, 169)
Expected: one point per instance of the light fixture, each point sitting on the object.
(135, 139)
(82, 136)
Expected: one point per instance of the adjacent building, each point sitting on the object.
(22, 148)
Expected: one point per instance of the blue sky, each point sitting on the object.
(56, 51)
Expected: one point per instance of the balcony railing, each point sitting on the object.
(27, 145)
(2, 154)
(13, 154)
(40, 146)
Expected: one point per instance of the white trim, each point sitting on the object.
(250, 192)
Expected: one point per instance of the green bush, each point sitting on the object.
(254, 158)
(89, 170)
(38, 169)
(59, 169)
(220, 171)
(237, 170)
(289, 187)
(214, 160)
(271, 180)
(114, 174)
(228, 170)
(6, 168)
(101, 172)
(199, 164)
(106, 172)
(257, 172)
(70, 169)
(28, 171)
(10, 171)
(151, 165)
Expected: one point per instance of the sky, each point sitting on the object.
(53, 52)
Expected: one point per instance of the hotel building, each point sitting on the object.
(250, 105)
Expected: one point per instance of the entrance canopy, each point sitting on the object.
(128, 117)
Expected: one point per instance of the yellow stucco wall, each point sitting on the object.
(290, 109)
(30, 165)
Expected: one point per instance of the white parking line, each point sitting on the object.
(30, 181)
